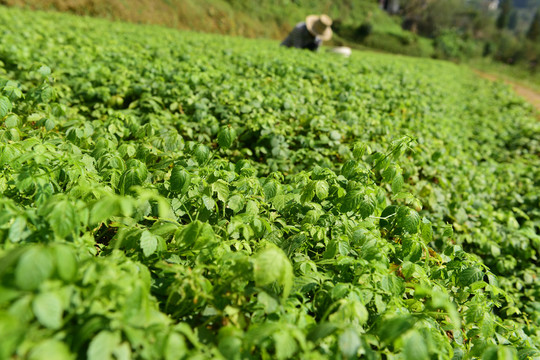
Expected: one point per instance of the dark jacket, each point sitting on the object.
(301, 38)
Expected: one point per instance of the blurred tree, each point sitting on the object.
(513, 20)
(534, 30)
(504, 15)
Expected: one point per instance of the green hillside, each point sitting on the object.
(176, 195)
(263, 18)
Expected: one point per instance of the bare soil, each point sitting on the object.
(528, 94)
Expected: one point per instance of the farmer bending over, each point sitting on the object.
(311, 33)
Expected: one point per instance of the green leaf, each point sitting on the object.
(236, 203)
(487, 327)
(230, 347)
(271, 265)
(221, 188)
(34, 267)
(208, 202)
(397, 183)
(352, 200)
(201, 154)
(226, 137)
(415, 347)
(367, 206)
(64, 219)
(66, 263)
(149, 243)
(12, 121)
(426, 231)
(180, 180)
(48, 309)
(44, 70)
(321, 189)
(269, 303)
(388, 217)
(17, 230)
(469, 276)
(12, 91)
(393, 284)
(393, 328)
(308, 192)
(270, 189)
(389, 173)
(194, 236)
(130, 178)
(349, 343)
(50, 349)
(320, 331)
(5, 106)
(176, 347)
(285, 345)
(408, 220)
(102, 346)
(109, 206)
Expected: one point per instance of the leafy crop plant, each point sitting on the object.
(170, 195)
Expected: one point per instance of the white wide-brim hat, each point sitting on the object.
(319, 25)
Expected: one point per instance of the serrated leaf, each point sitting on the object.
(397, 183)
(48, 309)
(308, 192)
(5, 106)
(469, 276)
(367, 206)
(221, 188)
(487, 327)
(321, 189)
(226, 137)
(349, 169)
(392, 284)
(426, 230)
(408, 220)
(180, 180)
(270, 189)
(201, 154)
(389, 173)
(148, 243)
(388, 216)
(12, 91)
(352, 200)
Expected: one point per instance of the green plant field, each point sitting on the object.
(169, 195)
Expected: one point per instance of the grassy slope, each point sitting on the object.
(263, 18)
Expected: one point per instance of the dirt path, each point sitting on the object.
(528, 94)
